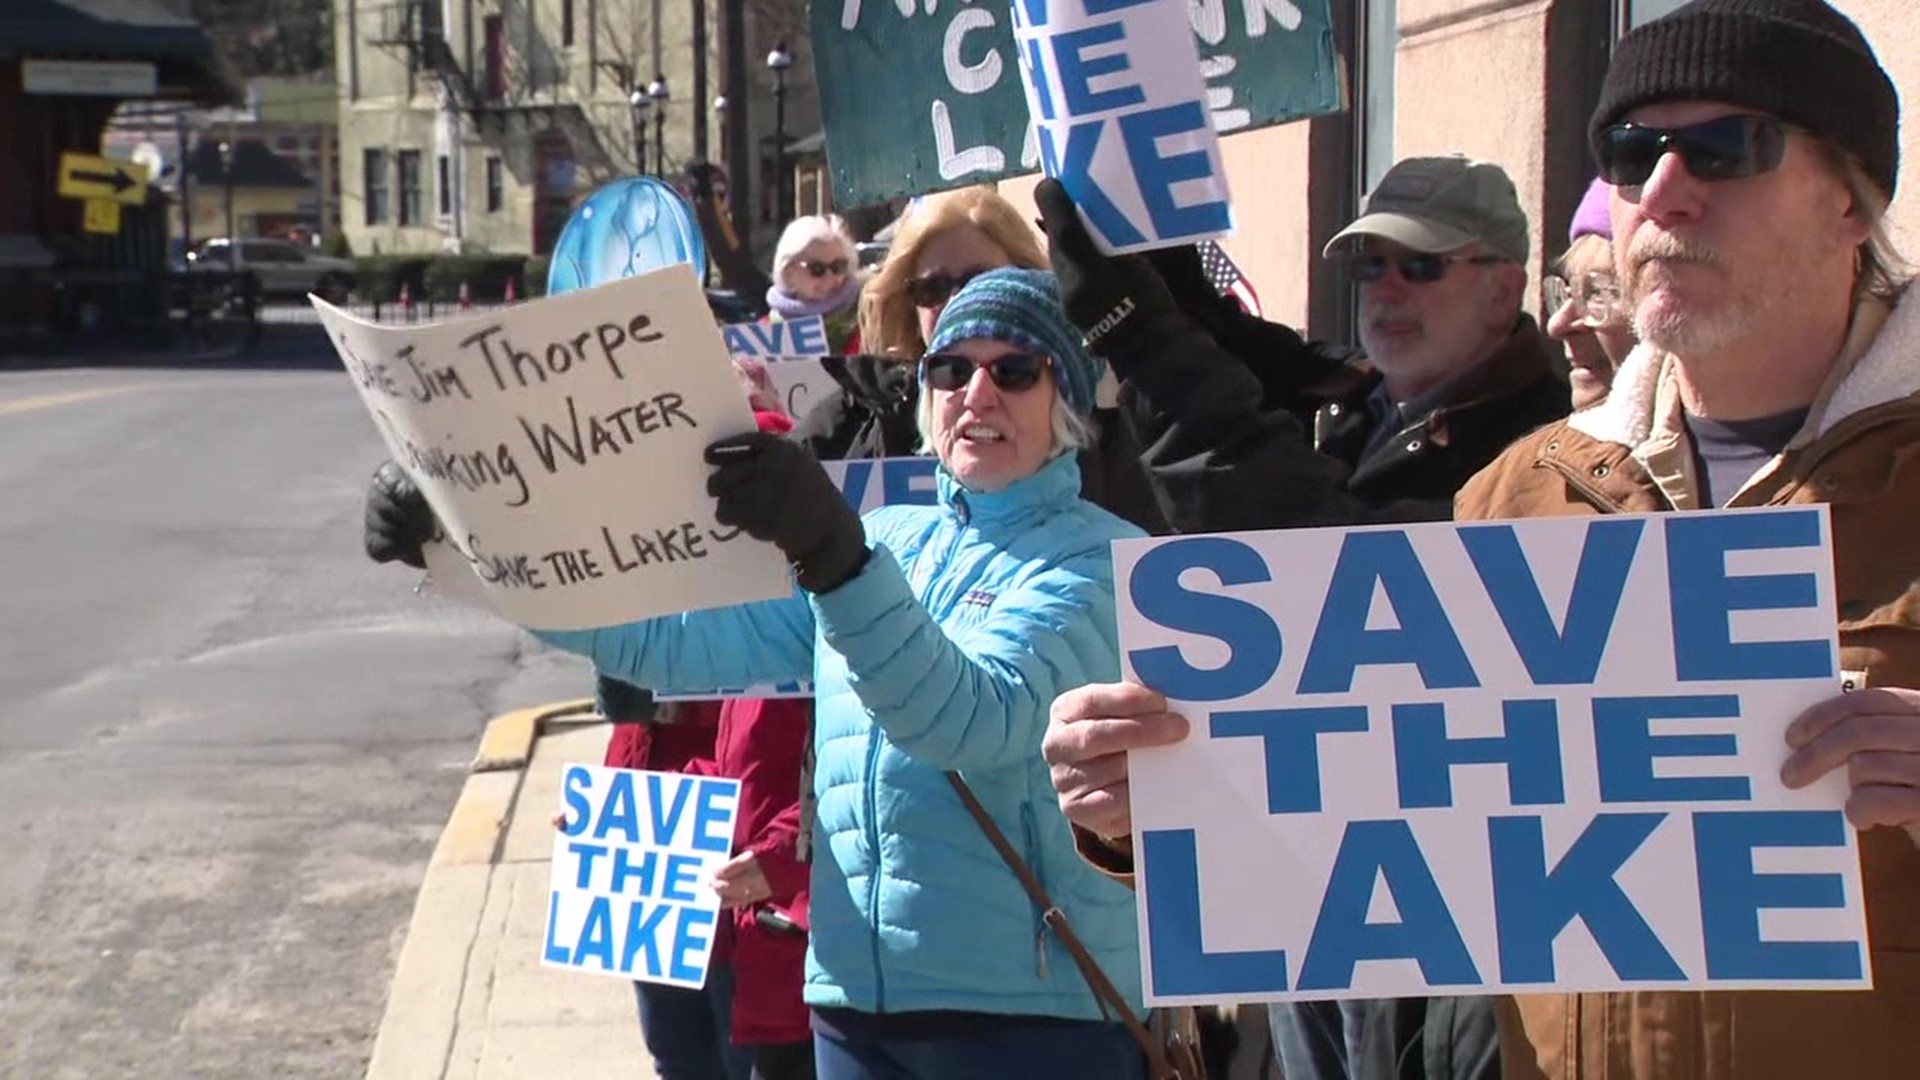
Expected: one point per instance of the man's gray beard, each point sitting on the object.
(1685, 336)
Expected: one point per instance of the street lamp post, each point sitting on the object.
(657, 90)
(641, 103)
(226, 171)
(778, 61)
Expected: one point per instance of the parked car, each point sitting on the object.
(284, 270)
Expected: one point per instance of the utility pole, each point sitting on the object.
(740, 159)
(186, 183)
(699, 80)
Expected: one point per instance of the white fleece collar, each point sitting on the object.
(1888, 370)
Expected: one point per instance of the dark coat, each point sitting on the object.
(1225, 447)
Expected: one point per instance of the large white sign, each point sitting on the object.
(1489, 758)
(1119, 107)
(630, 895)
(561, 445)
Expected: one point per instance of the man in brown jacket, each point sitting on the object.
(1754, 148)
(1753, 145)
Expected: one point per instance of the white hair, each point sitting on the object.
(803, 231)
(1072, 432)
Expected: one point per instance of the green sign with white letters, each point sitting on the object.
(923, 95)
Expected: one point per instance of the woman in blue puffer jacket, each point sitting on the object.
(936, 637)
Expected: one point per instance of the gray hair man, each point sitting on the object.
(1754, 147)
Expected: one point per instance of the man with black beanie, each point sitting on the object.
(1754, 146)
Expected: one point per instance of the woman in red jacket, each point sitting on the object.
(764, 744)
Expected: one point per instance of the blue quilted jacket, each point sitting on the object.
(943, 653)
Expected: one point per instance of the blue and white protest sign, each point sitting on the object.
(867, 484)
(1119, 106)
(1489, 758)
(630, 895)
(788, 339)
(792, 350)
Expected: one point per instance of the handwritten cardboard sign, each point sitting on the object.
(867, 484)
(1489, 758)
(630, 894)
(1120, 110)
(560, 444)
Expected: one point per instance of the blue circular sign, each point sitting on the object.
(632, 226)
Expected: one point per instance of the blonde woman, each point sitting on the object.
(944, 241)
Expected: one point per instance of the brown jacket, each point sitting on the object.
(1859, 453)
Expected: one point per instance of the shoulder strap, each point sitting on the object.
(1056, 920)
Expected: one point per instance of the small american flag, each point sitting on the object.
(1227, 277)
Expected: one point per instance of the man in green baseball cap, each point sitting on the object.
(1453, 370)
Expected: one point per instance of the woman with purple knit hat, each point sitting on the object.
(1583, 307)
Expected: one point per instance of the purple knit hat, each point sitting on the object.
(1591, 218)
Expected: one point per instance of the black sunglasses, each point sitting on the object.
(822, 269)
(1013, 372)
(1729, 148)
(932, 290)
(1419, 269)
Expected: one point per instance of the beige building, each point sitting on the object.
(476, 125)
(1513, 81)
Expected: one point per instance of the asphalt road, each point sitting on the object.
(228, 742)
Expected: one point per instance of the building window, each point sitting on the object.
(566, 22)
(1380, 40)
(409, 187)
(353, 50)
(374, 171)
(424, 15)
(1635, 12)
(496, 186)
(443, 188)
(494, 32)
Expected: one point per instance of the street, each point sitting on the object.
(228, 742)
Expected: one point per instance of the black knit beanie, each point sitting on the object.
(1799, 60)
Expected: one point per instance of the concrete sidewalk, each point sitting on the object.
(469, 999)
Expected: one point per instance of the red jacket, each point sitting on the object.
(763, 744)
(666, 747)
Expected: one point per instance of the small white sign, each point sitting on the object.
(793, 350)
(1120, 111)
(90, 78)
(1496, 758)
(562, 446)
(630, 895)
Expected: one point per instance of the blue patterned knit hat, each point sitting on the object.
(1022, 308)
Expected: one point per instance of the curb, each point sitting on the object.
(508, 740)
(415, 1038)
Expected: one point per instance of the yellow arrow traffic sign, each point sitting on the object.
(101, 216)
(83, 176)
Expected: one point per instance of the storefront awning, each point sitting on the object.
(179, 47)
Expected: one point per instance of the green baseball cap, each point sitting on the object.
(1441, 204)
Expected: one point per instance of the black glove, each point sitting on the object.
(776, 491)
(1106, 296)
(622, 702)
(399, 521)
(1186, 278)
